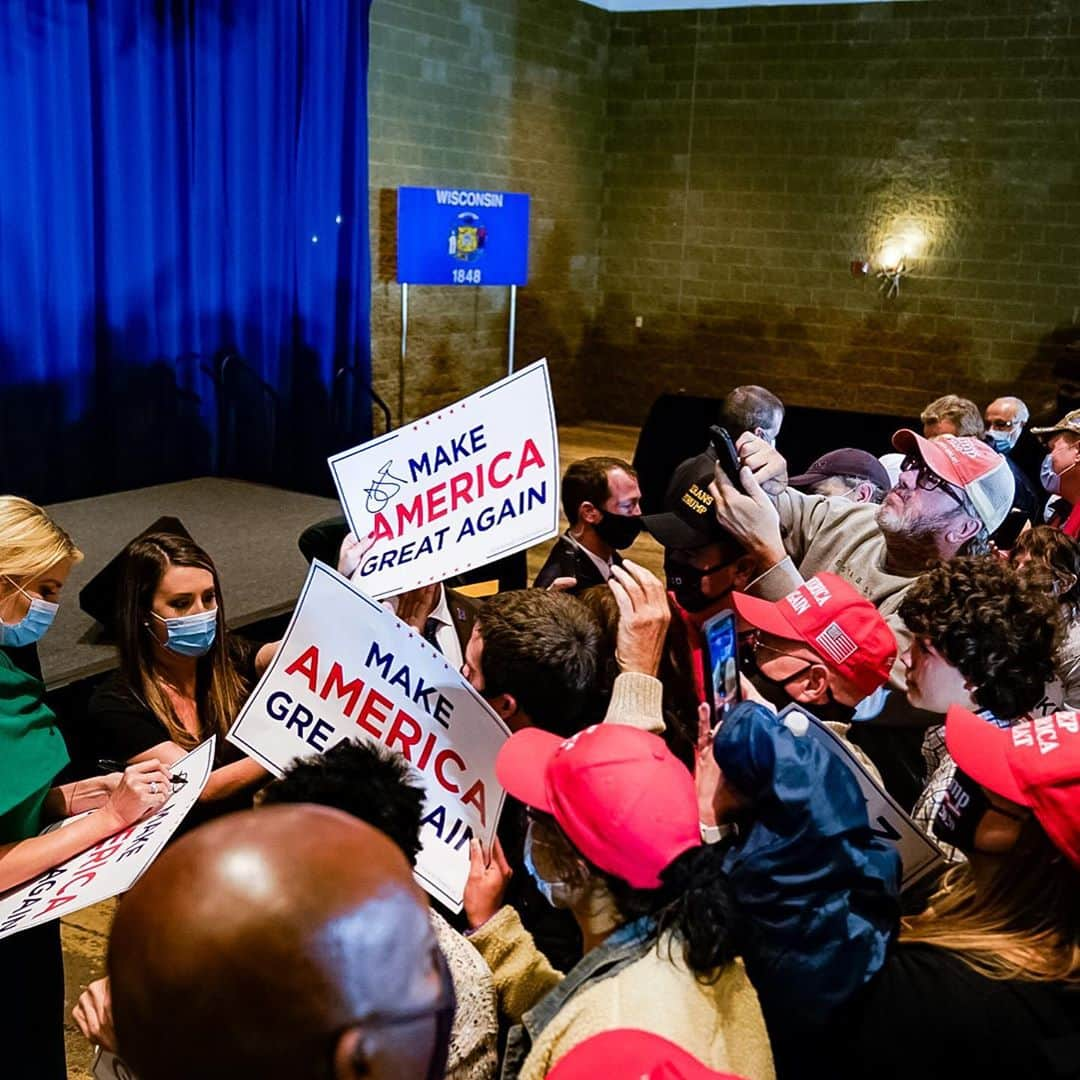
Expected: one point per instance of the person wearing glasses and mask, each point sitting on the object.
(952, 493)
(825, 647)
(183, 677)
(1005, 420)
(1059, 473)
(36, 556)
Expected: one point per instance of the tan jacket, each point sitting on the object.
(720, 1023)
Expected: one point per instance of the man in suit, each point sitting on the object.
(602, 502)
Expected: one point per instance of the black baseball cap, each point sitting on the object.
(689, 517)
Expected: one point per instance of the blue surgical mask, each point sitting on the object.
(1001, 441)
(556, 893)
(1051, 482)
(190, 635)
(32, 626)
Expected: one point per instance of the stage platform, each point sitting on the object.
(249, 530)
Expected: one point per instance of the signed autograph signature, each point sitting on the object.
(382, 489)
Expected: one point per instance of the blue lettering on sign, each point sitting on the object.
(457, 236)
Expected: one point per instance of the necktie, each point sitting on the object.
(431, 627)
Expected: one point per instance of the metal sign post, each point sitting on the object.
(513, 320)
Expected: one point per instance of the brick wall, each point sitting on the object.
(753, 154)
(500, 94)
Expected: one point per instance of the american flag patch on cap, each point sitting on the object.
(836, 644)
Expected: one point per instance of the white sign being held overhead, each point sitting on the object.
(458, 489)
(348, 669)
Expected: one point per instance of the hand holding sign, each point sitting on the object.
(348, 669)
(489, 876)
(463, 487)
(114, 864)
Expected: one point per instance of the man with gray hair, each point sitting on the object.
(1005, 420)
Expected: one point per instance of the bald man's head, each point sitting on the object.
(258, 944)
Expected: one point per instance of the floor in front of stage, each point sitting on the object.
(86, 932)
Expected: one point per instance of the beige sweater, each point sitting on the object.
(720, 1023)
(842, 538)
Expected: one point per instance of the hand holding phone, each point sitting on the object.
(726, 454)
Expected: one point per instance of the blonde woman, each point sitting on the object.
(986, 982)
(36, 556)
(183, 677)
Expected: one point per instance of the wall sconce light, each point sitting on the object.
(891, 264)
(891, 268)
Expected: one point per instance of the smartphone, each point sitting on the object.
(722, 657)
(726, 454)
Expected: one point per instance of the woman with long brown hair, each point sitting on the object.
(36, 556)
(183, 677)
(986, 981)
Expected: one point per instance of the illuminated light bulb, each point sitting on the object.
(892, 255)
(337, 220)
(314, 239)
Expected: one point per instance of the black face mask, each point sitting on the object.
(684, 581)
(618, 531)
(775, 691)
(960, 812)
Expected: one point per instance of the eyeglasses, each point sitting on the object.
(930, 481)
(756, 645)
(1001, 425)
(441, 1011)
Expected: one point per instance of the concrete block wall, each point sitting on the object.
(507, 95)
(753, 154)
(714, 173)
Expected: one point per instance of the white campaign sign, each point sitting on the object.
(112, 865)
(347, 668)
(457, 489)
(919, 855)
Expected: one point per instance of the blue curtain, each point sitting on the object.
(184, 270)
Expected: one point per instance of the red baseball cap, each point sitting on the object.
(628, 1052)
(970, 464)
(620, 795)
(836, 621)
(1035, 763)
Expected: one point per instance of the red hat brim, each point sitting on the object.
(981, 750)
(765, 615)
(939, 463)
(522, 763)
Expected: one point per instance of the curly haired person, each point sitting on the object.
(983, 637)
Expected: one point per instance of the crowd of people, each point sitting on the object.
(677, 889)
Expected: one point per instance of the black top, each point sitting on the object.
(928, 1015)
(122, 726)
(566, 559)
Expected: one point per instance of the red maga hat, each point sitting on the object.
(1035, 763)
(628, 1052)
(620, 795)
(836, 621)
